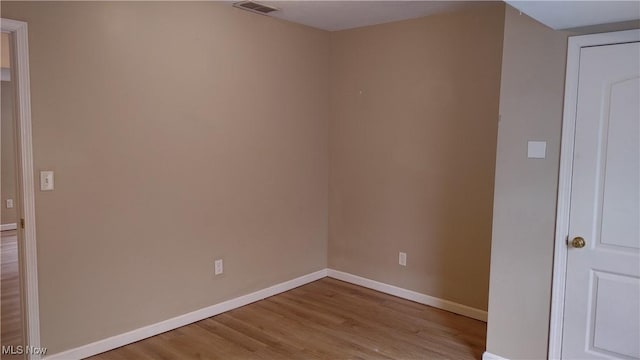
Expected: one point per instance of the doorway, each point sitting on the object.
(21, 240)
(596, 284)
(11, 298)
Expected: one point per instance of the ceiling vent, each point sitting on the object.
(255, 7)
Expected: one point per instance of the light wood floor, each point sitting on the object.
(10, 304)
(326, 319)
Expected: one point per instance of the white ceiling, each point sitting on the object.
(335, 15)
(341, 15)
(571, 14)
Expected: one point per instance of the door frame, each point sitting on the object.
(18, 30)
(575, 44)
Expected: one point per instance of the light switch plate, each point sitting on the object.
(46, 180)
(537, 149)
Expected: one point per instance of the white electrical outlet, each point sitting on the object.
(219, 267)
(402, 259)
(9, 203)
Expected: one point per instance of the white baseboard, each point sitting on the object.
(490, 356)
(117, 341)
(410, 295)
(5, 227)
(182, 320)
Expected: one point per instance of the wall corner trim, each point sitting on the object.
(443, 304)
(489, 356)
(117, 341)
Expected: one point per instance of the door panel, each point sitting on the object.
(620, 210)
(616, 298)
(602, 299)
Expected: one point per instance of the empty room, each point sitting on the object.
(320, 180)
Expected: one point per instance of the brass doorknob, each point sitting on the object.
(578, 242)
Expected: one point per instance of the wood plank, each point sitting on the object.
(11, 320)
(326, 319)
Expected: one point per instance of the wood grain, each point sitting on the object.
(10, 304)
(326, 319)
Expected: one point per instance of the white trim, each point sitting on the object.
(6, 227)
(410, 295)
(566, 168)
(21, 41)
(182, 320)
(130, 337)
(5, 74)
(489, 356)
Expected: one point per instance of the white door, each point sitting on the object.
(602, 298)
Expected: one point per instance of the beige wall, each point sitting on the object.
(531, 99)
(8, 163)
(5, 58)
(179, 133)
(8, 152)
(414, 113)
(167, 160)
